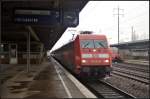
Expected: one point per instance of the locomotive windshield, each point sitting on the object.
(87, 44)
(93, 44)
(100, 44)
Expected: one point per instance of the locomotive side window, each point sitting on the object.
(100, 44)
(87, 44)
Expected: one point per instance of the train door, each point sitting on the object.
(13, 54)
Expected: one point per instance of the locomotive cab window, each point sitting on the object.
(87, 44)
(93, 44)
(100, 44)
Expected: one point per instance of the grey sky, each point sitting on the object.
(97, 16)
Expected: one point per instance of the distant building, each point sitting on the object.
(134, 50)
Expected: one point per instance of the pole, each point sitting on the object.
(132, 34)
(118, 14)
(28, 52)
(0, 26)
(118, 29)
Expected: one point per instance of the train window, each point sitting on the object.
(87, 44)
(100, 44)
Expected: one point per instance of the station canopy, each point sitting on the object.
(46, 20)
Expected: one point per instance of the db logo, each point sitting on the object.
(95, 55)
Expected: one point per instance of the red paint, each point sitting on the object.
(72, 52)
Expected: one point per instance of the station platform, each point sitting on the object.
(43, 81)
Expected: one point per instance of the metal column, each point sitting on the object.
(0, 37)
(118, 13)
(0, 22)
(28, 52)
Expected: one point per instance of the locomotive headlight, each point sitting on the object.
(83, 61)
(94, 50)
(106, 61)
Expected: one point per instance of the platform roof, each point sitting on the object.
(47, 34)
(139, 44)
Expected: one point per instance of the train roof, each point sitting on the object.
(91, 36)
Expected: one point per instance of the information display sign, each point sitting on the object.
(67, 18)
(43, 17)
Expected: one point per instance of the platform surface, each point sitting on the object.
(43, 81)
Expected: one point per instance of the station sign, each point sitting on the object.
(67, 18)
(34, 16)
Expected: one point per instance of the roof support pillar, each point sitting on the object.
(31, 30)
(28, 52)
(0, 23)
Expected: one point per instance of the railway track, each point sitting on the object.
(139, 68)
(131, 72)
(137, 73)
(145, 81)
(105, 90)
(142, 77)
(137, 62)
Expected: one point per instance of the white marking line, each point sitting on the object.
(83, 89)
(79, 85)
(66, 89)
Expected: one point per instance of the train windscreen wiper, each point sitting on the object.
(86, 45)
(101, 44)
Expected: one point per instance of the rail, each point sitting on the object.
(145, 81)
(105, 90)
(137, 62)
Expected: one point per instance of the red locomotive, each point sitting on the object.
(87, 56)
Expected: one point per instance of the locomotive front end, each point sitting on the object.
(95, 57)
